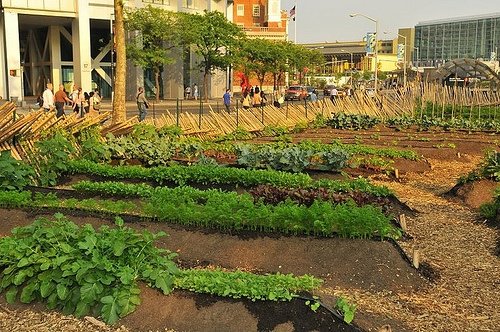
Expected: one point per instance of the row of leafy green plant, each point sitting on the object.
(427, 122)
(290, 158)
(265, 193)
(210, 175)
(229, 211)
(82, 271)
(423, 121)
(488, 169)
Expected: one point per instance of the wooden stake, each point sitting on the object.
(402, 222)
(396, 173)
(416, 258)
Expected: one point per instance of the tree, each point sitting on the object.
(280, 54)
(158, 32)
(259, 56)
(215, 40)
(302, 58)
(119, 110)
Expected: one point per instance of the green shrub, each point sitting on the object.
(52, 158)
(14, 174)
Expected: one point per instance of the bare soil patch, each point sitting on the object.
(475, 193)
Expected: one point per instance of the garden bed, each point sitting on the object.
(359, 263)
(185, 311)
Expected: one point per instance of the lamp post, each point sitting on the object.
(404, 61)
(376, 44)
(350, 63)
(417, 60)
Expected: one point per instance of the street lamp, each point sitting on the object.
(350, 63)
(404, 63)
(376, 44)
(418, 58)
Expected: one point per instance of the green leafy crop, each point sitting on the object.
(239, 284)
(52, 158)
(80, 270)
(346, 309)
(14, 174)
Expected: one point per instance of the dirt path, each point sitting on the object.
(466, 297)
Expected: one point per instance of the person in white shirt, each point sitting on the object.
(195, 92)
(48, 98)
(334, 94)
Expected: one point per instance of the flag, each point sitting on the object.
(292, 12)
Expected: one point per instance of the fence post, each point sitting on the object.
(177, 113)
(218, 111)
(200, 114)
(262, 113)
(305, 106)
(237, 117)
(287, 109)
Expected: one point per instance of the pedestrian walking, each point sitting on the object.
(195, 92)
(142, 104)
(60, 99)
(334, 94)
(96, 100)
(76, 97)
(48, 98)
(227, 100)
(187, 92)
(257, 99)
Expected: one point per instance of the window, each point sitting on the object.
(240, 10)
(256, 10)
(256, 24)
(190, 4)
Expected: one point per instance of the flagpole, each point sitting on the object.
(295, 23)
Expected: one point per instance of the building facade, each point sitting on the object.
(342, 57)
(475, 37)
(261, 18)
(63, 41)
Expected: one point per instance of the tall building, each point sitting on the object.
(261, 18)
(476, 37)
(69, 41)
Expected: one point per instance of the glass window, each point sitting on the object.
(240, 10)
(256, 10)
(190, 4)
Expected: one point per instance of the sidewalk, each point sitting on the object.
(190, 105)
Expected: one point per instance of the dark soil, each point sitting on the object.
(370, 264)
(446, 145)
(475, 193)
(362, 264)
(186, 311)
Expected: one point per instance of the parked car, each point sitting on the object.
(327, 91)
(296, 92)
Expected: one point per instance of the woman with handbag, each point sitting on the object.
(142, 104)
